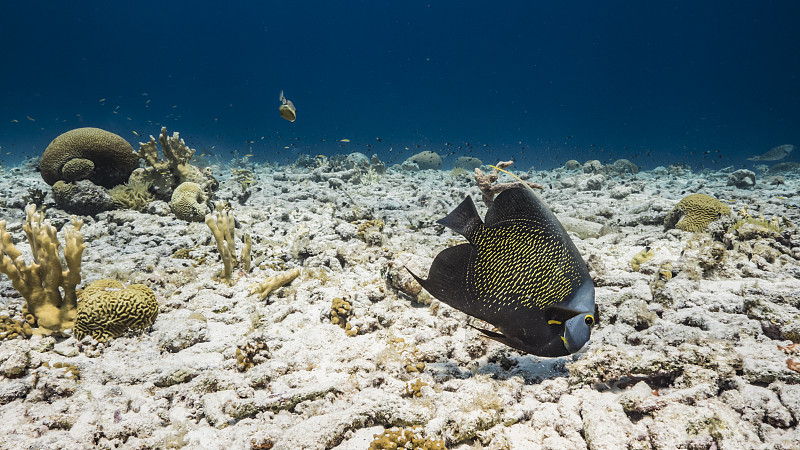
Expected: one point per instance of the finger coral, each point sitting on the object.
(42, 281)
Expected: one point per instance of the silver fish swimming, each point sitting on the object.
(520, 272)
(775, 154)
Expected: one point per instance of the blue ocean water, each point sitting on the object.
(704, 83)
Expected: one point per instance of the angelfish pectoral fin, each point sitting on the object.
(496, 336)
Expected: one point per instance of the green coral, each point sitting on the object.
(107, 309)
(134, 195)
(695, 212)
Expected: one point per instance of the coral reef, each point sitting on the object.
(695, 212)
(82, 197)
(165, 175)
(188, 202)
(107, 309)
(274, 282)
(132, 195)
(99, 156)
(489, 187)
(223, 225)
(426, 160)
(42, 281)
(642, 257)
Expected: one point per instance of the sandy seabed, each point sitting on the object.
(691, 351)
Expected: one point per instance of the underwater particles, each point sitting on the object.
(287, 109)
(520, 272)
(775, 154)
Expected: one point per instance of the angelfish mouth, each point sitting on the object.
(585, 347)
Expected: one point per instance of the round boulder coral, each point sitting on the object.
(426, 160)
(695, 212)
(107, 309)
(99, 156)
(188, 202)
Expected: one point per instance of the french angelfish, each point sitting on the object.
(287, 109)
(520, 272)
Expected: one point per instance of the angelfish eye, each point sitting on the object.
(588, 320)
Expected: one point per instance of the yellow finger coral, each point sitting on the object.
(272, 283)
(42, 281)
(107, 309)
(695, 212)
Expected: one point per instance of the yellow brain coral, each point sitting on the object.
(188, 202)
(694, 212)
(107, 309)
(100, 156)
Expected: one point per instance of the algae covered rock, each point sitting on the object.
(99, 156)
(107, 309)
(82, 197)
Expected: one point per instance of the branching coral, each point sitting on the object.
(222, 225)
(272, 283)
(488, 186)
(41, 281)
(166, 174)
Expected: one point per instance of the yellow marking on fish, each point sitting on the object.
(286, 146)
(249, 154)
(148, 101)
(101, 100)
(564, 339)
(31, 118)
(202, 154)
(134, 132)
(15, 120)
(553, 322)
(780, 198)
(344, 140)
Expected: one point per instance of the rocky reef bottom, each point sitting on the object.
(696, 345)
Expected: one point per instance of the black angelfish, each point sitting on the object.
(520, 272)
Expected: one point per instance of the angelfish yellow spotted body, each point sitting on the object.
(520, 272)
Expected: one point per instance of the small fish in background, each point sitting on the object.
(775, 154)
(520, 272)
(287, 109)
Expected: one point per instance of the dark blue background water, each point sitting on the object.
(706, 83)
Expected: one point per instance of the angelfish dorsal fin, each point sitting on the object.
(464, 219)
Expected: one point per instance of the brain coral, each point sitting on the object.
(426, 160)
(100, 156)
(188, 202)
(694, 212)
(107, 309)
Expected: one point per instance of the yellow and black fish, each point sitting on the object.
(520, 272)
(287, 109)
